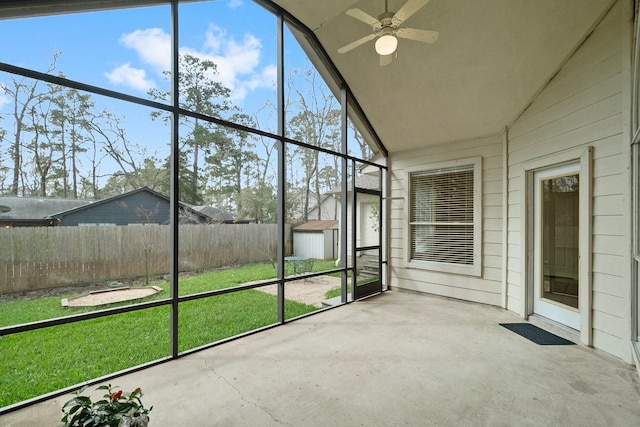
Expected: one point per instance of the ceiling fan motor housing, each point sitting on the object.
(385, 20)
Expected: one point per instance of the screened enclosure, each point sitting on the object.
(232, 117)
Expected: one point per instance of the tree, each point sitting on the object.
(259, 203)
(69, 122)
(51, 131)
(147, 174)
(40, 146)
(199, 92)
(232, 158)
(3, 169)
(138, 167)
(24, 95)
(365, 150)
(316, 123)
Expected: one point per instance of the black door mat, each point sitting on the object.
(535, 334)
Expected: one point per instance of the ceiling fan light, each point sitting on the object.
(386, 45)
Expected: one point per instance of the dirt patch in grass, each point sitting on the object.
(75, 289)
(110, 296)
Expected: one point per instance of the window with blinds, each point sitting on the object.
(442, 216)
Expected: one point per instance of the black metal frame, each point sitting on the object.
(349, 105)
(375, 286)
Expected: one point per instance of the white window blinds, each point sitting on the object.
(441, 217)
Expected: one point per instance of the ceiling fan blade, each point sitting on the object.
(409, 8)
(364, 17)
(424, 36)
(353, 45)
(386, 59)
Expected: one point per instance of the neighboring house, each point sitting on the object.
(326, 207)
(367, 212)
(220, 216)
(141, 206)
(296, 204)
(320, 207)
(316, 239)
(34, 211)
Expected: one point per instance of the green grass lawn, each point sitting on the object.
(44, 360)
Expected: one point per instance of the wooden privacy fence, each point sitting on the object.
(46, 257)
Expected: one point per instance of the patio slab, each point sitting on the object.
(394, 359)
(307, 291)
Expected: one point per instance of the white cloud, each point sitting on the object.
(135, 78)
(232, 58)
(237, 61)
(235, 3)
(265, 79)
(152, 45)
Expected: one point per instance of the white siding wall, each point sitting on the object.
(308, 245)
(488, 287)
(582, 106)
(330, 209)
(316, 245)
(364, 213)
(330, 244)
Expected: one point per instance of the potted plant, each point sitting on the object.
(115, 409)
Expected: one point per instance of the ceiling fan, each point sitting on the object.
(386, 28)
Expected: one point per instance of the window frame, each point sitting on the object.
(475, 269)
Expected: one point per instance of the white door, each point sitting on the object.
(556, 244)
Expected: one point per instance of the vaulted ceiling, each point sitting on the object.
(490, 60)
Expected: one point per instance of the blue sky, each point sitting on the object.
(127, 50)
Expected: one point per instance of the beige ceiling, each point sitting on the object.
(490, 60)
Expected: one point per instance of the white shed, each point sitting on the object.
(316, 239)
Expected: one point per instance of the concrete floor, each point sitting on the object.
(394, 359)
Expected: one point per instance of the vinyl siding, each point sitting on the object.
(316, 245)
(582, 106)
(484, 289)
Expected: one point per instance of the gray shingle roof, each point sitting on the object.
(215, 213)
(37, 207)
(369, 182)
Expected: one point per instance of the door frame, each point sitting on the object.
(557, 312)
(584, 157)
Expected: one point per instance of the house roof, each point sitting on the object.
(203, 217)
(214, 213)
(319, 225)
(30, 208)
(60, 213)
(369, 182)
(37, 207)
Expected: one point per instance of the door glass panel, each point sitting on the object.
(560, 239)
(367, 255)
